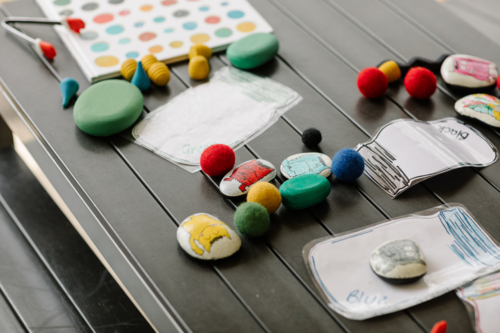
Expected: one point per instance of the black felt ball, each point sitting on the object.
(311, 137)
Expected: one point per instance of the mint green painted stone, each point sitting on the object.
(108, 107)
(253, 50)
(304, 191)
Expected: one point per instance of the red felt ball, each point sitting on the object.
(420, 83)
(372, 83)
(217, 159)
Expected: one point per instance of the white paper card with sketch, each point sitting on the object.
(405, 152)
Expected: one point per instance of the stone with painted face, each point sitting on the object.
(204, 236)
(398, 261)
(238, 181)
(482, 107)
(305, 164)
(468, 73)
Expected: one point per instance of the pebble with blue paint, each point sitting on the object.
(306, 163)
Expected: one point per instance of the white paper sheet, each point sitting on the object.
(484, 297)
(405, 152)
(457, 250)
(233, 108)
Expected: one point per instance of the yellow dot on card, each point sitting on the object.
(155, 49)
(200, 38)
(107, 61)
(146, 8)
(246, 27)
(176, 44)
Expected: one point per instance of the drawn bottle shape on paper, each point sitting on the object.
(305, 164)
(249, 173)
(478, 69)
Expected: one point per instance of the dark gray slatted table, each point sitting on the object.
(130, 201)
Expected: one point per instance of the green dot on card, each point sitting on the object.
(61, 2)
(224, 32)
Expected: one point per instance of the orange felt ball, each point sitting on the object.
(217, 159)
(372, 83)
(420, 83)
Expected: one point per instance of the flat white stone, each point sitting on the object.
(398, 259)
(204, 236)
(483, 107)
(238, 181)
(306, 163)
(468, 72)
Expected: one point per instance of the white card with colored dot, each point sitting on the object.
(116, 30)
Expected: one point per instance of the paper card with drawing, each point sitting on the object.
(483, 295)
(457, 250)
(405, 152)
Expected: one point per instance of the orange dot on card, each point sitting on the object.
(176, 44)
(107, 61)
(168, 2)
(147, 36)
(200, 38)
(146, 8)
(155, 49)
(103, 18)
(246, 27)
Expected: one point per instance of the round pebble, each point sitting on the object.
(265, 194)
(251, 219)
(217, 159)
(253, 50)
(348, 165)
(108, 107)
(311, 137)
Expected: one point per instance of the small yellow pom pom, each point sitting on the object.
(265, 194)
(200, 50)
(159, 73)
(391, 70)
(148, 60)
(128, 69)
(198, 68)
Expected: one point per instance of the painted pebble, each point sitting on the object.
(304, 191)
(398, 261)
(306, 163)
(204, 236)
(238, 181)
(482, 107)
(469, 73)
(253, 50)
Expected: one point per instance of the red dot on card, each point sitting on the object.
(103, 18)
(147, 36)
(168, 2)
(124, 12)
(212, 19)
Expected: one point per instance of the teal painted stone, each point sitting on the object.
(108, 107)
(253, 50)
(69, 88)
(140, 78)
(304, 191)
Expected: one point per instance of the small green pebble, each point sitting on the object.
(253, 50)
(251, 219)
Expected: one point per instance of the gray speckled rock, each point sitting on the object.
(470, 73)
(398, 261)
(483, 107)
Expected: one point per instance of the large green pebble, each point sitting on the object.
(108, 107)
(304, 191)
(251, 219)
(253, 50)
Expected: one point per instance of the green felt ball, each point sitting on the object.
(251, 219)
(108, 107)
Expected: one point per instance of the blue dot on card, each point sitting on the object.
(169, 30)
(138, 24)
(88, 35)
(159, 19)
(114, 29)
(100, 47)
(124, 41)
(189, 25)
(235, 14)
(204, 9)
(224, 4)
(132, 55)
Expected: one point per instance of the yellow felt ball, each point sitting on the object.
(265, 194)
(148, 60)
(128, 69)
(198, 68)
(391, 70)
(199, 50)
(159, 73)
